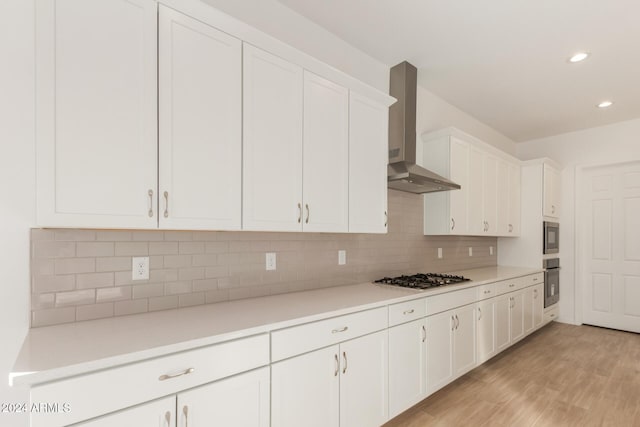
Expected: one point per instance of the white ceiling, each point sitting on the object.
(504, 61)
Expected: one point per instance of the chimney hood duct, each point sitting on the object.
(402, 172)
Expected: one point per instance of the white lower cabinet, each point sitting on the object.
(451, 345)
(486, 325)
(159, 413)
(242, 400)
(538, 305)
(407, 365)
(342, 385)
(517, 316)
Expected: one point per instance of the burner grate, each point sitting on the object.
(423, 280)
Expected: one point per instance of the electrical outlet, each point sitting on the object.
(271, 261)
(140, 268)
(439, 253)
(470, 251)
(342, 257)
(490, 250)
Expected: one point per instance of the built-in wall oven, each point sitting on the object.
(551, 281)
(550, 237)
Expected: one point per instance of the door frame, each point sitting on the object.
(579, 222)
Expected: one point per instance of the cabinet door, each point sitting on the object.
(527, 309)
(486, 330)
(305, 390)
(514, 200)
(551, 179)
(503, 322)
(476, 192)
(364, 381)
(517, 316)
(503, 201)
(538, 305)
(272, 142)
(439, 350)
(242, 400)
(159, 413)
(459, 152)
(200, 95)
(407, 365)
(96, 113)
(368, 158)
(464, 347)
(326, 155)
(490, 193)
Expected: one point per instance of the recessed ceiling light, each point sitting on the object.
(605, 104)
(580, 56)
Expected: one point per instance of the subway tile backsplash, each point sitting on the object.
(86, 274)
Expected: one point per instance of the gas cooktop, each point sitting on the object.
(423, 280)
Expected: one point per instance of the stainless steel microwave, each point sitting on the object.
(551, 238)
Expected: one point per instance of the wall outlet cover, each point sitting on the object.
(140, 268)
(270, 261)
(470, 251)
(439, 253)
(342, 257)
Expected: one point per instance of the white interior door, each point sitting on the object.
(610, 260)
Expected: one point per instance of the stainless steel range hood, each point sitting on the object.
(403, 172)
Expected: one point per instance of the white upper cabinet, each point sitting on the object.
(551, 192)
(325, 167)
(200, 116)
(96, 113)
(368, 158)
(272, 148)
(446, 211)
(488, 203)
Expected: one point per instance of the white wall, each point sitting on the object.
(610, 144)
(277, 20)
(17, 197)
(434, 113)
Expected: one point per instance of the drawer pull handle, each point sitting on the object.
(535, 279)
(337, 331)
(179, 374)
(335, 372)
(408, 311)
(511, 285)
(487, 292)
(344, 356)
(552, 315)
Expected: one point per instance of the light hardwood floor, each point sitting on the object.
(562, 375)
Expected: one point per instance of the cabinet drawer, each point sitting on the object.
(486, 291)
(407, 311)
(510, 285)
(301, 339)
(532, 279)
(444, 302)
(551, 314)
(112, 389)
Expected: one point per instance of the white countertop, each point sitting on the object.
(55, 352)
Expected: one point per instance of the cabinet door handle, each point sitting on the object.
(453, 223)
(424, 333)
(344, 356)
(337, 331)
(337, 369)
(553, 209)
(535, 294)
(308, 212)
(185, 411)
(299, 213)
(386, 218)
(479, 313)
(166, 204)
(453, 323)
(457, 322)
(408, 311)
(510, 228)
(167, 418)
(179, 374)
(150, 194)
(488, 226)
